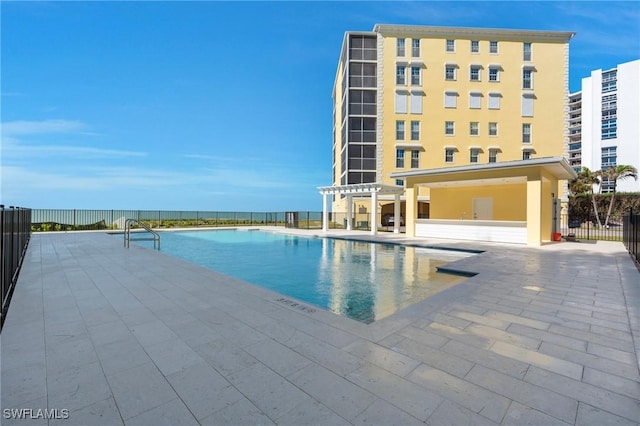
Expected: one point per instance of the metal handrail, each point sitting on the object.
(127, 233)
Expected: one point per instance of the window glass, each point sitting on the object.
(451, 45)
(448, 128)
(400, 74)
(450, 72)
(448, 155)
(399, 158)
(400, 130)
(415, 130)
(415, 47)
(526, 51)
(400, 47)
(415, 159)
(474, 128)
(474, 73)
(494, 74)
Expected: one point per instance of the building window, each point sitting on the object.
(475, 100)
(493, 47)
(493, 129)
(609, 81)
(494, 100)
(415, 47)
(527, 78)
(415, 159)
(415, 76)
(399, 130)
(399, 182)
(527, 105)
(474, 128)
(451, 45)
(450, 99)
(416, 102)
(609, 157)
(448, 155)
(609, 128)
(493, 155)
(609, 102)
(450, 72)
(494, 74)
(362, 129)
(606, 187)
(401, 102)
(526, 51)
(449, 128)
(399, 158)
(400, 47)
(362, 102)
(362, 75)
(415, 130)
(475, 46)
(526, 133)
(473, 155)
(526, 155)
(363, 48)
(400, 74)
(474, 73)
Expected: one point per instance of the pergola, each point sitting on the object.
(362, 189)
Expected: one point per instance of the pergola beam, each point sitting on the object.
(373, 189)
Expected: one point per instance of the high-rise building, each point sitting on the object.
(605, 122)
(419, 97)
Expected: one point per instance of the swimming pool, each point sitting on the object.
(360, 280)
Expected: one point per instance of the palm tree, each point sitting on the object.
(613, 175)
(584, 184)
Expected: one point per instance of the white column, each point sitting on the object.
(374, 212)
(349, 212)
(396, 214)
(325, 212)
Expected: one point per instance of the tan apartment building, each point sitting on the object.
(417, 98)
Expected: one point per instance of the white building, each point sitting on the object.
(604, 123)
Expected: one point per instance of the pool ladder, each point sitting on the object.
(127, 233)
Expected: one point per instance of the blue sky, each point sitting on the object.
(215, 105)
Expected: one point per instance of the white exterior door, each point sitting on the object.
(483, 208)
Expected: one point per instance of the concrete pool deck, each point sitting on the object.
(106, 335)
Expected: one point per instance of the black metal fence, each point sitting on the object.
(631, 235)
(47, 220)
(588, 228)
(15, 224)
(79, 220)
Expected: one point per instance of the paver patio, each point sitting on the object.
(546, 335)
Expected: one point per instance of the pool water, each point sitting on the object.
(360, 280)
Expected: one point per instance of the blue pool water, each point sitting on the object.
(360, 280)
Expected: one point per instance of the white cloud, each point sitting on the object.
(14, 149)
(15, 134)
(24, 127)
